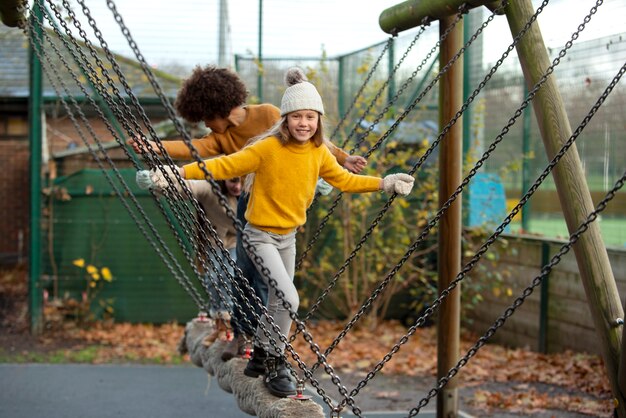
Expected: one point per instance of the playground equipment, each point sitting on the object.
(559, 143)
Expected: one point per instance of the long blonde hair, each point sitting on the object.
(280, 130)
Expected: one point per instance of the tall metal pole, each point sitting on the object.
(450, 226)
(571, 185)
(259, 80)
(35, 135)
(222, 59)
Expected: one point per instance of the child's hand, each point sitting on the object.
(355, 163)
(400, 183)
(134, 142)
(156, 178)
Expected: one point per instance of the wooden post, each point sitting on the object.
(573, 192)
(449, 259)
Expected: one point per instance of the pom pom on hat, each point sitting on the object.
(300, 94)
(294, 75)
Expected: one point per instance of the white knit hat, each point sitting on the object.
(300, 94)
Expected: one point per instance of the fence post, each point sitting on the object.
(35, 136)
(544, 300)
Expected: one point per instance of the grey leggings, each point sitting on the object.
(278, 253)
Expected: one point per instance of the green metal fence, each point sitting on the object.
(88, 221)
(93, 225)
(582, 74)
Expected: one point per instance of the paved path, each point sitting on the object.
(103, 391)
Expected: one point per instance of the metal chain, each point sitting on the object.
(266, 314)
(362, 118)
(212, 231)
(106, 96)
(498, 231)
(178, 208)
(449, 202)
(521, 299)
(180, 276)
(416, 166)
(361, 89)
(409, 80)
(250, 249)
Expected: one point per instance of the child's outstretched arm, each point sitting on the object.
(345, 181)
(207, 146)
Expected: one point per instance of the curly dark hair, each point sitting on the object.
(210, 93)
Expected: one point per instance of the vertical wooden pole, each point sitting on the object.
(449, 260)
(573, 192)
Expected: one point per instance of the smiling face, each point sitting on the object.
(233, 186)
(302, 124)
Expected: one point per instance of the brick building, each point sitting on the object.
(63, 148)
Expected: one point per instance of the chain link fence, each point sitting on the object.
(581, 76)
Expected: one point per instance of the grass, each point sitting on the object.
(613, 230)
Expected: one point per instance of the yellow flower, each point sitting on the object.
(92, 284)
(106, 274)
(79, 262)
(95, 276)
(91, 269)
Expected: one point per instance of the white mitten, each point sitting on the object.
(143, 180)
(400, 183)
(323, 188)
(158, 176)
(155, 178)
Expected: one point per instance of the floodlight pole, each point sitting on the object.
(571, 185)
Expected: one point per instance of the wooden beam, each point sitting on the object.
(413, 13)
(450, 225)
(576, 203)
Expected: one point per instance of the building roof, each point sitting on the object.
(14, 69)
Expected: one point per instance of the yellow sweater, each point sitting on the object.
(259, 118)
(285, 179)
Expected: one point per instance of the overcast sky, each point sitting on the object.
(186, 31)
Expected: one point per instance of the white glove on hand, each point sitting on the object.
(323, 188)
(143, 180)
(400, 183)
(155, 178)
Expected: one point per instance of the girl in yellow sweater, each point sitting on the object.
(286, 163)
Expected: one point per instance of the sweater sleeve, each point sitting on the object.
(345, 181)
(227, 166)
(207, 146)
